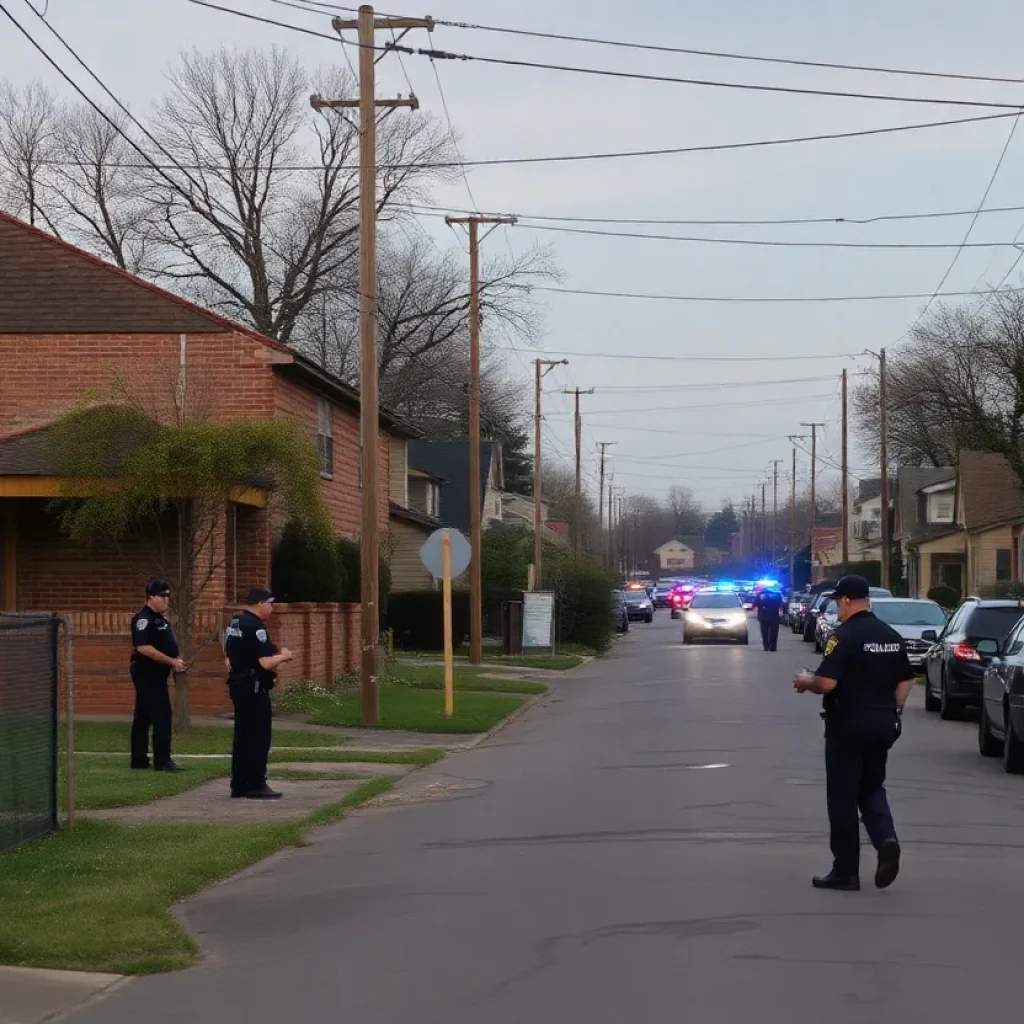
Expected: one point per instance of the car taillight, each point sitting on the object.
(677, 599)
(965, 652)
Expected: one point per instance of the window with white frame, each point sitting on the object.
(941, 507)
(325, 436)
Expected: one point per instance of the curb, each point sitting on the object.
(482, 737)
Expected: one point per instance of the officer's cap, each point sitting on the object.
(856, 588)
(257, 595)
(158, 588)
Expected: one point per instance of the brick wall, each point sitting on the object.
(324, 637)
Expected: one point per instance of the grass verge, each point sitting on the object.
(99, 898)
(421, 758)
(431, 677)
(102, 782)
(563, 660)
(418, 710)
(113, 738)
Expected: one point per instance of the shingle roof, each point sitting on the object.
(449, 460)
(868, 489)
(990, 491)
(910, 480)
(23, 453)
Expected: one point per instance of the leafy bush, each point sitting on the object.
(305, 566)
(348, 559)
(1005, 589)
(583, 589)
(945, 597)
(415, 617)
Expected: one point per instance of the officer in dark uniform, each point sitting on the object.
(769, 615)
(865, 679)
(154, 657)
(253, 661)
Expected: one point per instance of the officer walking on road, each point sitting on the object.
(865, 679)
(154, 657)
(253, 661)
(769, 615)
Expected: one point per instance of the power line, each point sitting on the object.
(632, 75)
(684, 359)
(756, 298)
(309, 5)
(714, 405)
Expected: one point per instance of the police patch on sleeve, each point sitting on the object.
(142, 624)
(261, 635)
(830, 645)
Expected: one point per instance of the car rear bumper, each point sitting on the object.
(963, 680)
(639, 615)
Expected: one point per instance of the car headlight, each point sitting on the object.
(693, 619)
(739, 619)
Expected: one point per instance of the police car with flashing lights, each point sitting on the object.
(715, 614)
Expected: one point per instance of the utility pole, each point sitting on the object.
(814, 470)
(369, 401)
(792, 525)
(600, 498)
(476, 631)
(775, 512)
(764, 520)
(609, 546)
(577, 504)
(538, 523)
(884, 459)
(846, 486)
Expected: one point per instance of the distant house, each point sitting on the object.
(865, 527)
(674, 555)
(924, 526)
(441, 469)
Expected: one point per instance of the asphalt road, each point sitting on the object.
(636, 848)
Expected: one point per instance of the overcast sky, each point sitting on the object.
(663, 436)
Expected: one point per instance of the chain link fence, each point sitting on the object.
(29, 671)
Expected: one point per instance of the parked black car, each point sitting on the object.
(810, 617)
(954, 667)
(639, 607)
(1001, 717)
(619, 614)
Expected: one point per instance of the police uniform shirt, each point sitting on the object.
(769, 604)
(246, 641)
(867, 658)
(151, 629)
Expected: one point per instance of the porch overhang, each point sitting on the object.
(52, 487)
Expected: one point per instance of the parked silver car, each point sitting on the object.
(911, 617)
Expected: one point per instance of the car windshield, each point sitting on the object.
(909, 613)
(715, 601)
(992, 623)
(635, 597)
(879, 592)
(831, 608)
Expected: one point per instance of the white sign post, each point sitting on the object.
(446, 553)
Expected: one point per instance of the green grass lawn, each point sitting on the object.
(419, 710)
(431, 677)
(99, 898)
(102, 782)
(563, 660)
(421, 758)
(113, 738)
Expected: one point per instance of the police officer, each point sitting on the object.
(253, 661)
(154, 657)
(865, 679)
(769, 614)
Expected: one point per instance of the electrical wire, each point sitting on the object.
(311, 5)
(633, 75)
(684, 359)
(715, 405)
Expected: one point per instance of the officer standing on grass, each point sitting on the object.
(769, 615)
(865, 679)
(253, 661)
(154, 657)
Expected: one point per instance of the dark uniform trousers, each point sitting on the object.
(770, 634)
(855, 759)
(152, 710)
(251, 744)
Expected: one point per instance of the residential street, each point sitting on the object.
(638, 847)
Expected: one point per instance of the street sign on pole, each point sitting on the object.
(432, 553)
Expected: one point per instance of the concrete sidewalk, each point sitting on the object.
(30, 996)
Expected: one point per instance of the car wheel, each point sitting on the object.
(988, 745)
(1013, 748)
(808, 634)
(817, 646)
(650, 617)
(931, 702)
(949, 709)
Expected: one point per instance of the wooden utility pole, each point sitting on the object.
(610, 544)
(538, 522)
(764, 519)
(884, 460)
(792, 525)
(775, 512)
(369, 403)
(577, 504)
(846, 486)
(600, 498)
(814, 469)
(476, 631)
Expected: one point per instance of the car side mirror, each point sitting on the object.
(930, 635)
(988, 647)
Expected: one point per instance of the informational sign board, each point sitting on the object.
(431, 554)
(538, 620)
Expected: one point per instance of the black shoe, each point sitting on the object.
(169, 766)
(237, 796)
(841, 883)
(888, 864)
(265, 793)
(141, 764)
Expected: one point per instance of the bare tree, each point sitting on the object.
(29, 119)
(687, 517)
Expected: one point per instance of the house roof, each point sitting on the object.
(449, 460)
(23, 453)
(868, 489)
(412, 516)
(910, 481)
(990, 492)
(53, 287)
(674, 540)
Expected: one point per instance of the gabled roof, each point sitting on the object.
(910, 481)
(23, 453)
(449, 460)
(53, 287)
(990, 492)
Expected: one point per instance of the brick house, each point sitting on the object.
(70, 322)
